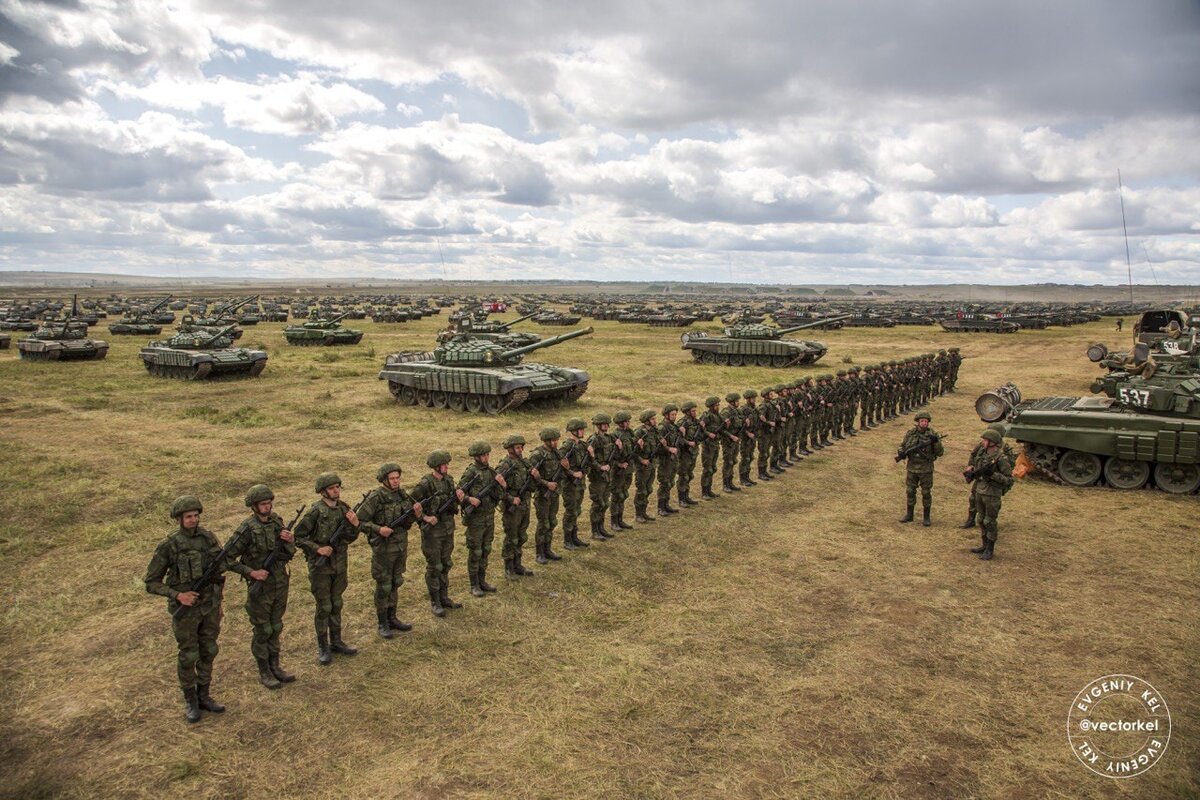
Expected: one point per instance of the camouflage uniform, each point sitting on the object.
(437, 495)
(479, 481)
(577, 455)
(603, 449)
(955, 363)
(769, 420)
(989, 489)
(389, 554)
(668, 462)
(731, 440)
(545, 461)
(711, 426)
(689, 449)
(515, 514)
(646, 447)
(623, 469)
(750, 430)
(924, 447)
(327, 577)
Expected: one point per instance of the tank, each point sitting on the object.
(5, 340)
(753, 344)
(669, 320)
(141, 323)
(969, 324)
(556, 318)
(322, 332)
(62, 340)
(198, 354)
(223, 316)
(1140, 430)
(490, 331)
(481, 376)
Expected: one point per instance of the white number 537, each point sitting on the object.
(1134, 397)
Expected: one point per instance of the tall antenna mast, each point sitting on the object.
(1128, 262)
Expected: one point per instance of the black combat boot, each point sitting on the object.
(519, 567)
(983, 543)
(191, 705)
(212, 706)
(621, 523)
(337, 645)
(444, 594)
(483, 584)
(763, 475)
(851, 432)
(510, 570)
(748, 483)
(667, 508)
(475, 590)
(969, 523)
(265, 676)
(568, 542)
(550, 554)
(908, 515)
(600, 533)
(575, 540)
(541, 554)
(435, 603)
(614, 519)
(324, 657)
(396, 624)
(925, 520)
(986, 555)
(804, 451)
(385, 630)
(279, 672)
(641, 516)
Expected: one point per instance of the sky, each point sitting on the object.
(771, 142)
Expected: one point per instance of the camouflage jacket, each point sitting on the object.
(1001, 479)
(381, 507)
(732, 418)
(646, 442)
(576, 453)
(626, 438)
(928, 448)
(433, 493)
(545, 460)
(603, 448)
(178, 561)
(516, 475)
(314, 530)
(256, 541)
(711, 425)
(691, 434)
(479, 481)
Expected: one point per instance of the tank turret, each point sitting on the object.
(198, 353)
(757, 344)
(488, 354)
(322, 332)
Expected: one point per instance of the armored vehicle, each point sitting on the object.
(223, 316)
(670, 320)
(18, 323)
(1161, 323)
(62, 340)
(753, 344)
(972, 324)
(1143, 428)
(198, 354)
(556, 318)
(5, 340)
(141, 323)
(481, 376)
(322, 332)
(499, 332)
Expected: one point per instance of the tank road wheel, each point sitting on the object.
(780, 361)
(101, 353)
(1079, 469)
(440, 400)
(1177, 478)
(257, 367)
(201, 371)
(721, 358)
(329, 340)
(53, 355)
(493, 403)
(736, 360)
(457, 401)
(697, 356)
(406, 395)
(763, 360)
(424, 397)
(1122, 474)
(474, 403)
(708, 358)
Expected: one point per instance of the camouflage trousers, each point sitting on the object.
(645, 486)
(515, 520)
(437, 545)
(481, 530)
(599, 488)
(328, 584)
(619, 490)
(746, 460)
(710, 453)
(196, 633)
(388, 563)
(764, 450)
(686, 473)
(266, 603)
(988, 507)
(914, 479)
(668, 471)
(547, 517)
(572, 503)
(729, 457)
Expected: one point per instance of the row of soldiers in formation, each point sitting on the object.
(781, 424)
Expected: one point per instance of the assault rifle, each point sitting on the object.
(277, 552)
(450, 501)
(914, 449)
(970, 475)
(339, 533)
(210, 575)
(469, 509)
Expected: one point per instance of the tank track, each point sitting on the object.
(58, 355)
(462, 401)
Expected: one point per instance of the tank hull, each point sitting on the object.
(978, 326)
(171, 362)
(318, 337)
(415, 379)
(728, 351)
(68, 350)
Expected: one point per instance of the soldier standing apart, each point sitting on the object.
(645, 454)
(769, 419)
(955, 363)
(576, 454)
(178, 561)
(439, 500)
(921, 447)
(622, 478)
(260, 535)
(668, 458)
(750, 429)
(546, 469)
(711, 426)
(514, 516)
(731, 440)
(991, 474)
(482, 489)
(386, 506)
(690, 434)
(327, 567)
(602, 448)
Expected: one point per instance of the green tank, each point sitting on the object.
(481, 376)
(322, 332)
(140, 323)
(197, 354)
(500, 333)
(224, 315)
(62, 340)
(969, 323)
(1142, 428)
(755, 344)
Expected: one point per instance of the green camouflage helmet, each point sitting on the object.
(576, 424)
(941, 352)
(711, 401)
(766, 390)
(479, 448)
(622, 416)
(732, 397)
(601, 419)
(923, 415)
(184, 504)
(749, 394)
(437, 458)
(779, 387)
(549, 434)
(991, 436)
(953, 349)
(668, 408)
(841, 373)
(687, 406)
(513, 440)
(387, 469)
(258, 493)
(647, 415)
(327, 479)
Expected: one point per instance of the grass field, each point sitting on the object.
(790, 641)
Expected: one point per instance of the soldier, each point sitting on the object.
(750, 429)
(853, 397)
(769, 419)
(711, 426)
(921, 447)
(576, 453)
(482, 489)
(515, 514)
(645, 455)
(622, 478)
(731, 440)
(690, 433)
(602, 448)
(546, 467)
(991, 474)
(385, 507)
(178, 561)
(327, 566)
(439, 499)
(955, 363)
(668, 458)
(972, 506)
(260, 535)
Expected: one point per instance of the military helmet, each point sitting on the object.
(749, 394)
(892, 363)
(647, 415)
(668, 408)
(923, 415)
(513, 440)
(327, 479)
(184, 504)
(841, 373)
(941, 352)
(732, 397)
(711, 401)
(258, 493)
(576, 424)
(991, 436)
(549, 434)
(437, 458)
(387, 469)
(601, 419)
(779, 387)
(953, 349)
(480, 448)
(688, 405)
(622, 416)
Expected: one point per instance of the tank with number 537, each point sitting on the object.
(1143, 427)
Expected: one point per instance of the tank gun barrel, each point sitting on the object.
(553, 340)
(338, 318)
(229, 308)
(505, 326)
(815, 323)
(228, 329)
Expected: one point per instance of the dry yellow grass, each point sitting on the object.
(790, 641)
